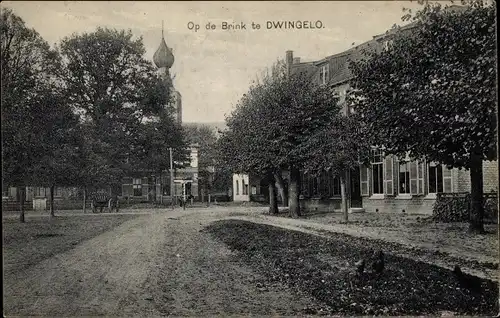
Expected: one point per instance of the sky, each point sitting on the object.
(214, 68)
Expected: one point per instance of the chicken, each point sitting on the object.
(467, 281)
(378, 263)
(360, 266)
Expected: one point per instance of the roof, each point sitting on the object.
(307, 67)
(343, 74)
(339, 62)
(340, 72)
(163, 56)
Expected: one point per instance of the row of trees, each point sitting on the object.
(86, 112)
(286, 122)
(431, 96)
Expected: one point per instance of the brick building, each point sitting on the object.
(387, 185)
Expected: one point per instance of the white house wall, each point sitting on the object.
(239, 182)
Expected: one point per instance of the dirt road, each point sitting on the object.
(160, 263)
(156, 264)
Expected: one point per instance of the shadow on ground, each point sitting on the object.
(324, 269)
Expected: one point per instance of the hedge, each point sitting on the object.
(455, 207)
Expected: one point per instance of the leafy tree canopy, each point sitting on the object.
(433, 93)
(272, 125)
(38, 127)
(122, 102)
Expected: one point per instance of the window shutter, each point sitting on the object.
(388, 176)
(364, 176)
(413, 178)
(420, 176)
(447, 180)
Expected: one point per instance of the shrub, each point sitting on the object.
(455, 207)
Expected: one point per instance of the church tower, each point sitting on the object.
(164, 59)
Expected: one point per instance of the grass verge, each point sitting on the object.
(324, 269)
(26, 244)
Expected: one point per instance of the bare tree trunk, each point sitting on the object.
(476, 212)
(52, 201)
(294, 192)
(161, 188)
(282, 188)
(22, 191)
(273, 202)
(343, 194)
(84, 199)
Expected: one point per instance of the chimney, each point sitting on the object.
(296, 60)
(289, 61)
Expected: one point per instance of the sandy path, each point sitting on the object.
(99, 276)
(201, 277)
(156, 264)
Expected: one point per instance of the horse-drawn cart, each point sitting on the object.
(103, 200)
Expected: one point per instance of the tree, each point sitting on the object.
(56, 150)
(272, 127)
(156, 139)
(432, 95)
(28, 71)
(242, 147)
(278, 71)
(116, 92)
(341, 147)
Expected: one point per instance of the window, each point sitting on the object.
(387, 44)
(194, 158)
(364, 182)
(244, 187)
(342, 95)
(377, 172)
(388, 175)
(447, 181)
(58, 192)
(137, 186)
(324, 73)
(435, 179)
(336, 186)
(304, 186)
(254, 190)
(417, 177)
(39, 192)
(330, 185)
(440, 179)
(187, 189)
(404, 178)
(237, 187)
(314, 185)
(165, 189)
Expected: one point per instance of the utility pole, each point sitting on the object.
(183, 195)
(172, 184)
